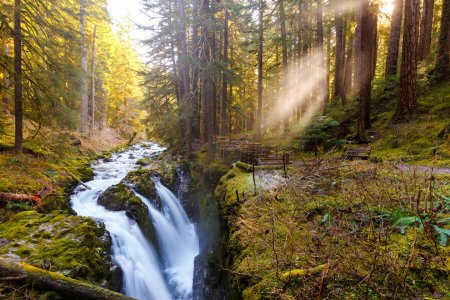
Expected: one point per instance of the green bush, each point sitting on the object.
(318, 133)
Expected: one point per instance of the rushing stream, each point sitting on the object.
(145, 276)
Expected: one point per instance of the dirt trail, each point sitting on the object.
(422, 169)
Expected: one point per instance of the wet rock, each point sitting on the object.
(144, 162)
(70, 245)
(122, 198)
(141, 181)
(116, 278)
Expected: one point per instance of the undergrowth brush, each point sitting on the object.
(336, 230)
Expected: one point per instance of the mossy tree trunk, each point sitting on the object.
(55, 282)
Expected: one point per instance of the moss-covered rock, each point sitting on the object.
(144, 162)
(122, 198)
(164, 171)
(73, 246)
(142, 183)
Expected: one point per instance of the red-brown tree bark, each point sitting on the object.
(442, 62)
(426, 27)
(407, 101)
(18, 139)
(260, 65)
(284, 106)
(394, 39)
(365, 69)
(224, 80)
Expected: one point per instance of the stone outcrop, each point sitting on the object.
(122, 198)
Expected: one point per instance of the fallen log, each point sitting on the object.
(19, 198)
(55, 282)
(80, 182)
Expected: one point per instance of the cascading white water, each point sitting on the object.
(145, 277)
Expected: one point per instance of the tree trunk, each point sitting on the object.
(394, 40)
(407, 101)
(366, 57)
(18, 139)
(348, 66)
(224, 83)
(185, 74)
(338, 66)
(320, 58)
(260, 65)
(207, 118)
(195, 66)
(7, 77)
(285, 113)
(306, 70)
(327, 84)
(93, 79)
(299, 58)
(374, 42)
(426, 27)
(214, 96)
(357, 57)
(55, 282)
(442, 61)
(84, 92)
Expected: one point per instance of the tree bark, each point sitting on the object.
(357, 57)
(207, 118)
(195, 92)
(348, 66)
(374, 44)
(366, 57)
(327, 84)
(285, 113)
(224, 80)
(407, 102)
(56, 282)
(442, 61)
(299, 58)
(214, 96)
(18, 138)
(426, 27)
(84, 92)
(394, 39)
(93, 79)
(260, 64)
(338, 77)
(320, 58)
(185, 92)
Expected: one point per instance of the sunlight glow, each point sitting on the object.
(387, 7)
(299, 88)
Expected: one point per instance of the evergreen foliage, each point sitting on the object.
(318, 133)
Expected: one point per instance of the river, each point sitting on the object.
(145, 275)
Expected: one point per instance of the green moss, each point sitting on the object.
(70, 244)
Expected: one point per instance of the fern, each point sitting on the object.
(443, 234)
(445, 221)
(406, 221)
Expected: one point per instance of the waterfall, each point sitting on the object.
(145, 275)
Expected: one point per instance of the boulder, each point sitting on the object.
(122, 198)
(141, 181)
(76, 247)
(144, 162)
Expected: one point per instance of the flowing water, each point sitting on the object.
(146, 276)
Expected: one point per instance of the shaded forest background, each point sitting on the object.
(265, 68)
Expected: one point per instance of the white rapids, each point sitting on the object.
(145, 276)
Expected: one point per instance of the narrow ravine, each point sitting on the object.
(146, 275)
